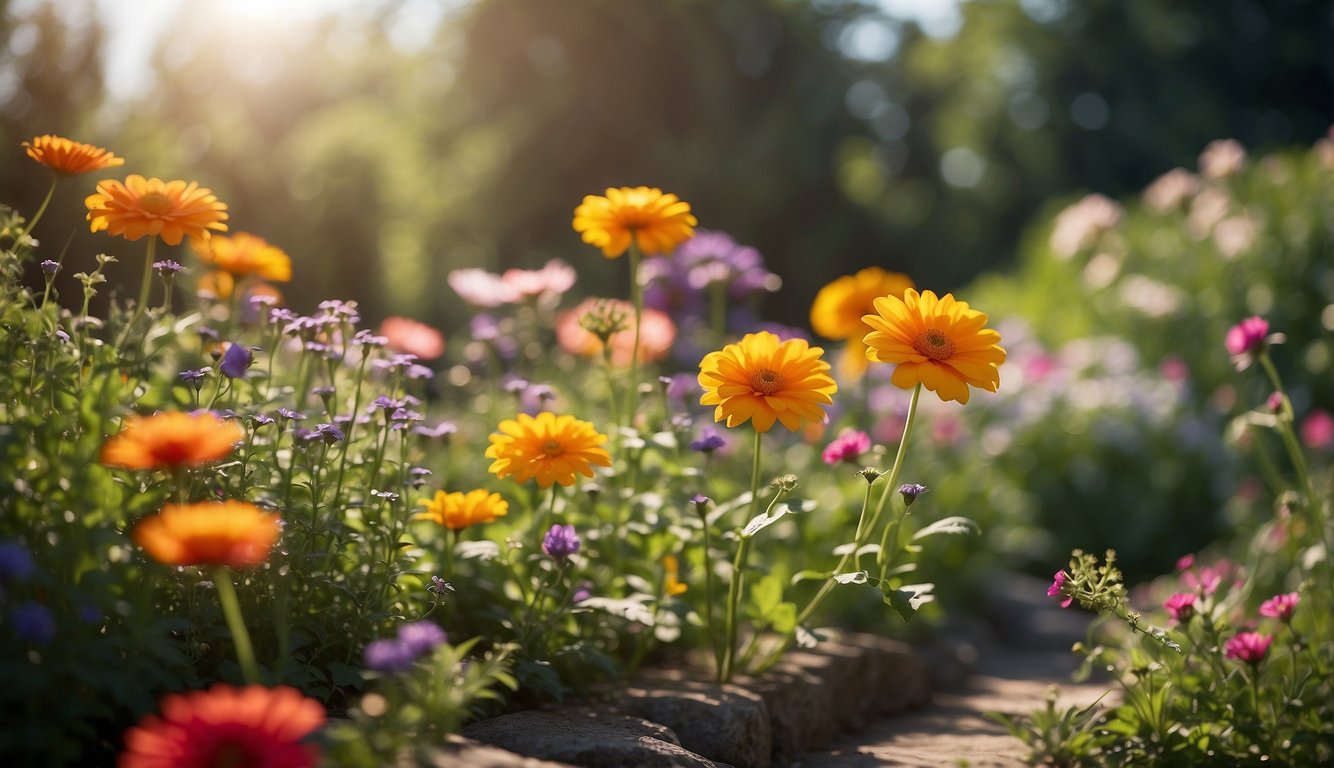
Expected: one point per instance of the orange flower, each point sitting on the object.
(940, 343)
(671, 582)
(457, 511)
(172, 210)
(226, 726)
(69, 157)
(548, 447)
(762, 380)
(657, 222)
(656, 336)
(216, 286)
(171, 440)
(406, 335)
(838, 308)
(230, 533)
(244, 254)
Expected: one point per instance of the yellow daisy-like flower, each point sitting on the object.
(763, 379)
(940, 343)
(70, 157)
(838, 308)
(548, 447)
(658, 222)
(457, 511)
(172, 210)
(245, 254)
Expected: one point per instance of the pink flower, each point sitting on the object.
(1207, 580)
(1057, 589)
(1181, 606)
(1250, 647)
(1185, 562)
(1280, 606)
(1247, 337)
(412, 337)
(556, 277)
(1318, 429)
(481, 288)
(848, 446)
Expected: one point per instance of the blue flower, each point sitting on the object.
(16, 563)
(33, 623)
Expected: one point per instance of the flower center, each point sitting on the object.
(155, 203)
(766, 381)
(230, 755)
(551, 449)
(934, 344)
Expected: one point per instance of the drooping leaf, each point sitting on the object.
(955, 525)
(852, 577)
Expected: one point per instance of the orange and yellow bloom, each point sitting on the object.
(457, 511)
(839, 307)
(244, 254)
(940, 343)
(69, 157)
(546, 447)
(763, 379)
(171, 440)
(171, 210)
(671, 577)
(226, 726)
(235, 534)
(656, 222)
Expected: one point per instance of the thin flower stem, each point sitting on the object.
(145, 286)
(231, 609)
(1295, 454)
(41, 209)
(735, 585)
(709, 628)
(637, 299)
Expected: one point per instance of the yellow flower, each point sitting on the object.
(230, 533)
(838, 308)
(460, 510)
(940, 343)
(763, 379)
(671, 582)
(548, 447)
(70, 157)
(657, 222)
(245, 254)
(172, 210)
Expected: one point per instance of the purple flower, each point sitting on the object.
(583, 592)
(33, 623)
(1181, 606)
(323, 393)
(515, 386)
(387, 403)
(387, 655)
(682, 386)
(1057, 589)
(50, 267)
(415, 371)
(195, 377)
(290, 414)
(421, 636)
(1250, 647)
(439, 586)
(167, 267)
(708, 441)
(561, 541)
(16, 564)
(329, 433)
(236, 361)
(369, 339)
(910, 492)
(208, 334)
(847, 447)
(261, 420)
(443, 429)
(1280, 607)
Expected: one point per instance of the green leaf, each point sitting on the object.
(809, 576)
(783, 618)
(764, 520)
(955, 526)
(907, 599)
(852, 577)
(767, 593)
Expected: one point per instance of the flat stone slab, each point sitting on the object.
(587, 737)
(728, 723)
(460, 751)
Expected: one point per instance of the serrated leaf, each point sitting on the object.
(955, 525)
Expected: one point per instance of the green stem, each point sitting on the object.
(735, 585)
(709, 627)
(145, 286)
(231, 609)
(36, 217)
(637, 299)
(1315, 509)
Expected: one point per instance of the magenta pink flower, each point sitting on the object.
(1250, 647)
(1181, 606)
(848, 446)
(1280, 606)
(1185, 562)
(1057, 589)
(1208, 578)
(1318, 429)
(1248, 336)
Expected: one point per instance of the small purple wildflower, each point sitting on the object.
(260, 420)
(16, 563)
(910, 492)
(236, 361)
(561, 542)
(708, 441)
(33, 623)
(329, 433)
(443, 429)
(582, 592)
(439, 586)
(387, 655)
(287, 413)
(50, 267)
(195, 377)
(323, 393)
(167, 267)
(421, 636)
(208, 334)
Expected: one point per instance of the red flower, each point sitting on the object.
(256, 727)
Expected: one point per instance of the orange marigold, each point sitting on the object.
(172, 210)
(244, 254)
(763, 379)
(657, 222)
(226, 726)
(547, 447)
(231, 533)
(457, 511)
(171, 440)
(69, 157)
(940, 343)
(838, 308)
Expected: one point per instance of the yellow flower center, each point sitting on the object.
(551, 449)
(934, 344)
(155, 203)
(766, 381)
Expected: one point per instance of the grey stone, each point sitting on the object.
(587, 737)
(727, 723)
(460, 752)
